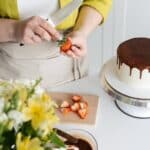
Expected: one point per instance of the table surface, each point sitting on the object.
(114, 130)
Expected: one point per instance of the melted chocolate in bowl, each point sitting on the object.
(85, 140)
(135, 53)
(78, 139)
(82, 145)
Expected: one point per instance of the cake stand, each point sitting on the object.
(134, 102)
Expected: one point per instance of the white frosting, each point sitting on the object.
(134, 79)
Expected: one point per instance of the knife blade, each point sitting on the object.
(64, 12)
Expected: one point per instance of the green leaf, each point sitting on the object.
(53, 137)
(7, 137)
(32, 90)
(28, 130)
(2, 130)
(61, 42)
(10, 139)
(12, 103)
(14, 100)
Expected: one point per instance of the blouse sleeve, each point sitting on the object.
(102, 6)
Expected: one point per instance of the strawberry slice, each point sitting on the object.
(65, 44)
(64, 104)
(66, 110)
(76, 98)
(83, 105)
(82, 113)
(75, 107)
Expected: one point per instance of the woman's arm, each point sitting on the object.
(7, 30)
(31, 30)
(88, 19)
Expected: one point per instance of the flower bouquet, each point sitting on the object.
(27, 117)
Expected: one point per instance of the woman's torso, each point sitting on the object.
(32, 61)
(43, 8)
(44, 50)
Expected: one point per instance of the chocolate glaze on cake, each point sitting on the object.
(135, 53)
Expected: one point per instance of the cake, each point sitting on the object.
(133, 62)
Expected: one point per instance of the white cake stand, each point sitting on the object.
(134, 102)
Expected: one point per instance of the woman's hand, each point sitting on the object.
(79, 45)
(35, 30)
(88, 19)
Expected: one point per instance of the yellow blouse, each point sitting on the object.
(9, 9)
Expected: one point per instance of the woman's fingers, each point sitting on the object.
(28, 41)
(76, 51)
(70, 54)
(42, 33)
(36, 38)
(36, 28)
(51, 30)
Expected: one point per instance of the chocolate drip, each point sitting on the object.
(131, 71)
(135, 53)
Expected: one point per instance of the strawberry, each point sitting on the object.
(65, 44)
(66, 110)
(83, 105)
(82, 113)
(76, 98)
(75, 107)
(64, 104)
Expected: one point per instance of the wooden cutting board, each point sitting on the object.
(73, 118)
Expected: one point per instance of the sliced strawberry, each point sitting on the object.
(83, 104)
(76, 98)
(65, 45)
(82, 113)
(66, 110)
(64, 104)
(75, 107)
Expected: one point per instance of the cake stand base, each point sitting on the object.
(133, 111)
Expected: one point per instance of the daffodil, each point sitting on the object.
(27, 144)
(41, 112)
(26, 108)
(36, 112)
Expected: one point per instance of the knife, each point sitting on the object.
(64, 12)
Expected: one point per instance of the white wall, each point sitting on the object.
(127, 19)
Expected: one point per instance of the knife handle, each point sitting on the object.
(49, 20)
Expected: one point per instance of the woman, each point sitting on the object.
(25, 22)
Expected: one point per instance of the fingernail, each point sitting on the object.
(47, 37)
(59, 36)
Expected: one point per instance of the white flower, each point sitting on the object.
(1, 89)
(25, 82)
(3, 117)
(2, 103)
(39, 91)
(17, 117)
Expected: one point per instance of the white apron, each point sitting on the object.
(39, 60)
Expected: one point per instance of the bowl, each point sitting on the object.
(86, 136)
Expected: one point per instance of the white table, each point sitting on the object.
(114, 130)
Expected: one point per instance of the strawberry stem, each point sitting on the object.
(61, 42)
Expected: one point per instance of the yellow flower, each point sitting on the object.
(36, 112)
(45, 97)
(41, 111)
(23, 93)
(27, 143)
